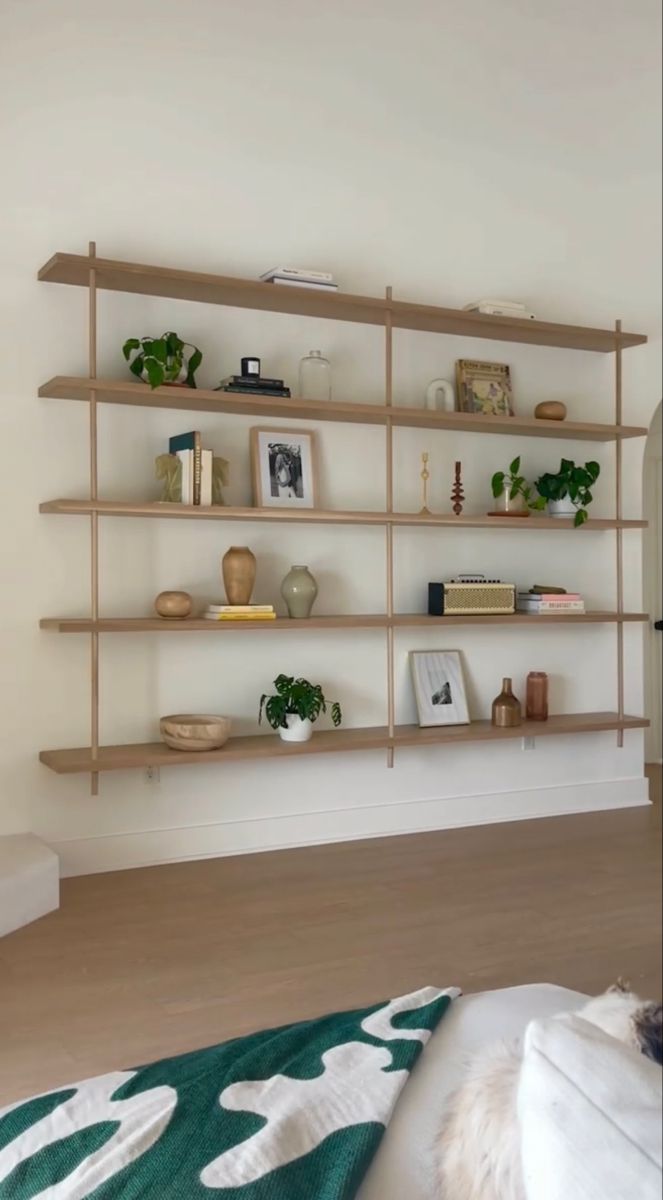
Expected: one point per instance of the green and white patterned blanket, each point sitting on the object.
(289, 1114)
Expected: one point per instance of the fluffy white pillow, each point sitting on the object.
(591, 1114)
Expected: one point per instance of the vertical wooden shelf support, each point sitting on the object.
(389, 455)
(94, 523)
(619, 536)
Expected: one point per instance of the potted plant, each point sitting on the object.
(295, 707)
(163, 360)
(516, 494)
(568, 492)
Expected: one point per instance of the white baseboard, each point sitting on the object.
(115, 852)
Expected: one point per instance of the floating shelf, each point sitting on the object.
(117, 276)
(346, 621)
(158, 508)
(156, 754)
(111, 391)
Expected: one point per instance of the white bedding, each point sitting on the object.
(403, 1166)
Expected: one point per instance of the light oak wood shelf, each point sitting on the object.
(317, 623)
(111, 391)
(118, 276)
(158, 508)
(94, 274)
(156, 754)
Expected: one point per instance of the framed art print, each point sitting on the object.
(439, 689)
(284, 468)
(484, 387)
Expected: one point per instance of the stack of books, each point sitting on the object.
(240, 612)
(301, 277)
(541, 603)
(196, 467)
(253, 385)
(500, 308)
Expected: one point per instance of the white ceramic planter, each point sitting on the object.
(561, 508)
(297, 731)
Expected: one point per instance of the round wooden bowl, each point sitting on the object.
(173, 606)
(550, 410)
(195, 731)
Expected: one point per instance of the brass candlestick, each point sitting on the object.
(425, 476)
(457, 493)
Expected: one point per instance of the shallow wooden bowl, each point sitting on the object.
(195, 731)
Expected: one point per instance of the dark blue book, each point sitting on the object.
(184, 441)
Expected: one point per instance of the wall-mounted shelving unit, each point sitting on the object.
(94, 273)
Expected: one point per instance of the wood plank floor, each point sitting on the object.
(140, 964)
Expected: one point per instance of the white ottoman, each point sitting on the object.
(29, 881)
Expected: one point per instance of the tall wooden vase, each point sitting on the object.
(238, 567)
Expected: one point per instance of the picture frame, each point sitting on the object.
(484, 388)
(439, 687)
(284, 468)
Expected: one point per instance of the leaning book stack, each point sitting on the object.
(240, 612)
(546, 603)
(196, 468)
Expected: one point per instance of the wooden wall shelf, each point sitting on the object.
(117, 276)
(158, 508)
(317, 623)
(94, 274)
(111, 391)
(156, 754)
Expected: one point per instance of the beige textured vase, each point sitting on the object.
(506, 708)
(238, 567)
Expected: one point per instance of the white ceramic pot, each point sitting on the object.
(298, 730)
(561, 508)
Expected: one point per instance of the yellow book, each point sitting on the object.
(241, 616)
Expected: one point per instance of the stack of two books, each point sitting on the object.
(240, 612)
(196, 467)
(253, 385)
(301, 277)
(542, 603)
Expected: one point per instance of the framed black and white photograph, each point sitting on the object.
(439, 689)
(284, 468)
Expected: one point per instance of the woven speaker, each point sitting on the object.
(464, 599)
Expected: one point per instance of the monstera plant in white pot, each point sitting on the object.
(295, 708)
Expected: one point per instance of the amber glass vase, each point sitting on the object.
(537, 696)
(506, 708)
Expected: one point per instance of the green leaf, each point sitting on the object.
(129, 345)
(136, 367)
(593, 470)
(155, 372)
(336, 714)
(515, 466)
(497, 483)
(173, 342)
(580, 517)
(159, 350)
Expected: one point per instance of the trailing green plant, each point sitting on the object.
(517, 485)
(296, 697)
(162, 359)
(572, 481)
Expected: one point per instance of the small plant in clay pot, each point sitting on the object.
(163, 361)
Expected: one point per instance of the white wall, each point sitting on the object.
(451, 150)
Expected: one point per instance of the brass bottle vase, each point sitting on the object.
(506, 708)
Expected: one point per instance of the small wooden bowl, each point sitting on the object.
(550, 410)
(173, 606)
(195, 731)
